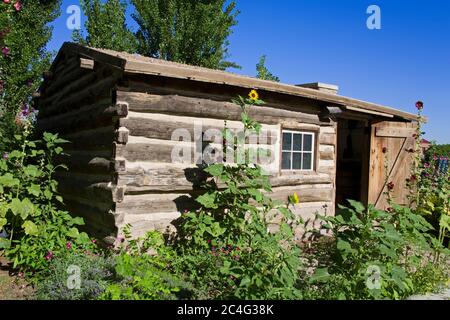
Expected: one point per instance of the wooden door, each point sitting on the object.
(390, 161)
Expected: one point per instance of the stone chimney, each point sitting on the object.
(324, 87)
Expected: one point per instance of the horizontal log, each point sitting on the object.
(93, 162)
(163, 177)
(98, 114)
(87, 64)
(306, 193)
(326, 138)
(62, 79)
(326, 152)
(161, 126)
(87, 95)
(169, 151)
(180, 202)
(101, 138)
(150, 203)
(205, 108)
(102, 192)
(95, 219)
(64, 86)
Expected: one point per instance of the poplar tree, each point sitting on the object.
(106, 26)
(188, 31)
(264, 73)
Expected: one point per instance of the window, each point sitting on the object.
(297, 151)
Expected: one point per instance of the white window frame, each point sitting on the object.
(313, 146)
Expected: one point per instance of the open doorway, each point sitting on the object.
(353, 150)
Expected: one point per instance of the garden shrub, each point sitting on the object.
(376, 255)
(226, 249)
(144, 270)
(95, 272)
(29, 203)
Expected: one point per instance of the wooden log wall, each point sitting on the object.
(78, 103)
(156, 190)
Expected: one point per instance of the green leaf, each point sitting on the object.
(32, 171)
(30, 228)
(207, 200)
(358, 206)
(215, 170)
(320, 275)
(8, 180)
(78, 221)
(73, 233)
(23, 208)
(345, 248)
(34, 189)
(5, 243)
(444, 222)
(256, 194)
(388, 252)
(3, 222)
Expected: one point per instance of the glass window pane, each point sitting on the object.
(297, 161)
(307, 161)
(297, 142)
(287, 141)
(286, 161)
(307, 142)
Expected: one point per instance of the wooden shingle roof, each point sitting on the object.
(137, 64)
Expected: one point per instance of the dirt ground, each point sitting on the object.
(12, 287)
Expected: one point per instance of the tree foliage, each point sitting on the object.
(106, 26)
(24, 33)
(186, 31)
(440, 150)
(263, 72)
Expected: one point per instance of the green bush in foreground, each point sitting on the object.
(143, 270)
(377, 255)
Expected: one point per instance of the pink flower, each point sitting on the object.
(69, 245)
(5, 155)
(49, 256)
(94, 241)
(17, 6)
(419, 105)
(6, 1)
(6, 51)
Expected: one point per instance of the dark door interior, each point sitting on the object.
(353, 148)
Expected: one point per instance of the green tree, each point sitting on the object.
(188, 31)
(106, 26)
(263, 72)
(24, 33)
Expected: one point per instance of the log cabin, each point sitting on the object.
(123, 113)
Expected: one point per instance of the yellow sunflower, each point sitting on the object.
(253, 95)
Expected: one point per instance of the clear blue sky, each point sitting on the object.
(328, 41)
